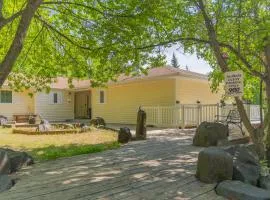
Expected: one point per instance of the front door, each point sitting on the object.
(83, 104)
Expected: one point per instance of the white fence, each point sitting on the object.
(192, 114)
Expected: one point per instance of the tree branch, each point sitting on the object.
(5, 21)
(17, 44)
(31, 45)
(223, 65)
(221, 44)
(104, 13)
(61, 34)
(1, 10)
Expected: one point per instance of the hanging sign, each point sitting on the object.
(234, 83)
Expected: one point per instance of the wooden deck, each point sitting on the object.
(161, 167)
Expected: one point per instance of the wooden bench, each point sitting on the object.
(22, 118)
(233, 117)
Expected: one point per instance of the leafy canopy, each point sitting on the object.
(84, 39)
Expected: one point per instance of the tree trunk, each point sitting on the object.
(17, 44)
(256, 135)
(267, 116)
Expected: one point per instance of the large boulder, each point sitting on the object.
(5, 183)
(4, 162)
(18, 160)
(12, 161)
(214, 165)
(241, 191)
(264, 182)
(246, 165)
(97, 122)
(210, 133)
(124, 135)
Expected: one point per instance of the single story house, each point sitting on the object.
(116, 103)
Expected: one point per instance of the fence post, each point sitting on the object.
(199, 117)
(159, 115)
(183, 116)
(217, 112)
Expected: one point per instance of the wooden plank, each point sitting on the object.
(126, 163)
(162, 167)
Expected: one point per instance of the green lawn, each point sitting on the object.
(48, 147)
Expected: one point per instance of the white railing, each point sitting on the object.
(192, 114)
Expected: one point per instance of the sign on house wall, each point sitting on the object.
(234, 83)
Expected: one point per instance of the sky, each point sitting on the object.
(194, 64)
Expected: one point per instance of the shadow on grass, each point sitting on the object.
(53, 152)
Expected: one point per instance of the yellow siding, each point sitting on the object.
(122, 101)
(188, 91)
(22, 103)
(55, 112)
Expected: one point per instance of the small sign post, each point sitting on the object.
(234, 83)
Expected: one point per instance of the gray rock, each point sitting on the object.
(240, 191)
(44, 126)
(32, 120)
(3, 120)
(246, 165)
(13, 160)
(214, 165)
(264, 182)
(18, 160)
(85, 129)
(209, 134)
(124, 135)
(4, 162)
(98, 121)
(5, 183)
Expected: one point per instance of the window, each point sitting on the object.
(5, 96)
(56, 98)
(101, 96)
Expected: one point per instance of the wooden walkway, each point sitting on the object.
(161, 167)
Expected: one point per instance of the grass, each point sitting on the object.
(49, 147)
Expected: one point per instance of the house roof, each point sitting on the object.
(159, 72)
(163, 72)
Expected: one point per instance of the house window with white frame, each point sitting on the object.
(101, 96)
(5, 96)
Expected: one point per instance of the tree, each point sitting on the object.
(213, 29)
(174, 61)
(50, 38)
